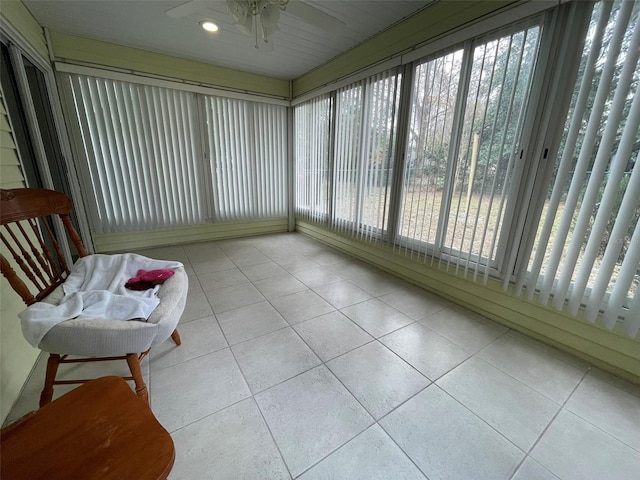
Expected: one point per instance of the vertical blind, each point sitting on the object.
(588, 244)
(247, 141)
(142, 154)
(145, 148)
(312, 121)
(366, 121)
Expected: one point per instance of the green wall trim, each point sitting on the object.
(443, 17)
(72, 48)
(119, 242)
(21, 19)
(609, 350)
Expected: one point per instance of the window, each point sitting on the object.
(433, 106)
(467, 112)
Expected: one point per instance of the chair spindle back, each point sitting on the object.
(26, 230)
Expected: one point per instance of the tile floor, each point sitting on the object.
(300, 362)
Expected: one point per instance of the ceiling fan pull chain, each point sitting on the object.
(255, 30)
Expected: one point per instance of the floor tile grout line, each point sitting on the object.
(299, 337)
(609, 434)
(311, 289)
(187, 360)
(315, 353)
(335, 449)
(354, 323)
(520, 381)
(529, 387)
(186, 425)
(280, 382)
(345, 306)
(500, 335)
(546, 349)
(296, 293)
(479, 417)
(338, 309)
(631, 388)
(295, 331)
(356, 400)
(418, 322)
(597, 427)
(434, 385)
(259, 392)
(352, 439)
(406, 454)
(404, 359)
(342, 383)
(273, 438)
(404, 402)
(461, 347)
(289, 325)
(546, 428)
(404, 313)
(260, 410)
(262, 335)
(322, 364)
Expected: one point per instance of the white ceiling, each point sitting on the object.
(298, 46)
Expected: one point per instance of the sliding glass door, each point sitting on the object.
(467, 111)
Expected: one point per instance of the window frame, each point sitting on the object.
(439, 251)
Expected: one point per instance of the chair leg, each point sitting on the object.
(175, 336)
(50, 376)
(134, 365)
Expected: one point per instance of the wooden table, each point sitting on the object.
(100, 430)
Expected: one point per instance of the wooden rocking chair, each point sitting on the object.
(26, 220)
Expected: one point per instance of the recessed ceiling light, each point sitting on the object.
(209, 26)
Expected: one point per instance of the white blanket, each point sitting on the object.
(95, 290)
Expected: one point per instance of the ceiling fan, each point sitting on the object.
(259, 18)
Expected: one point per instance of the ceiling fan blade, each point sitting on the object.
(186, 9)
(313, 16)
